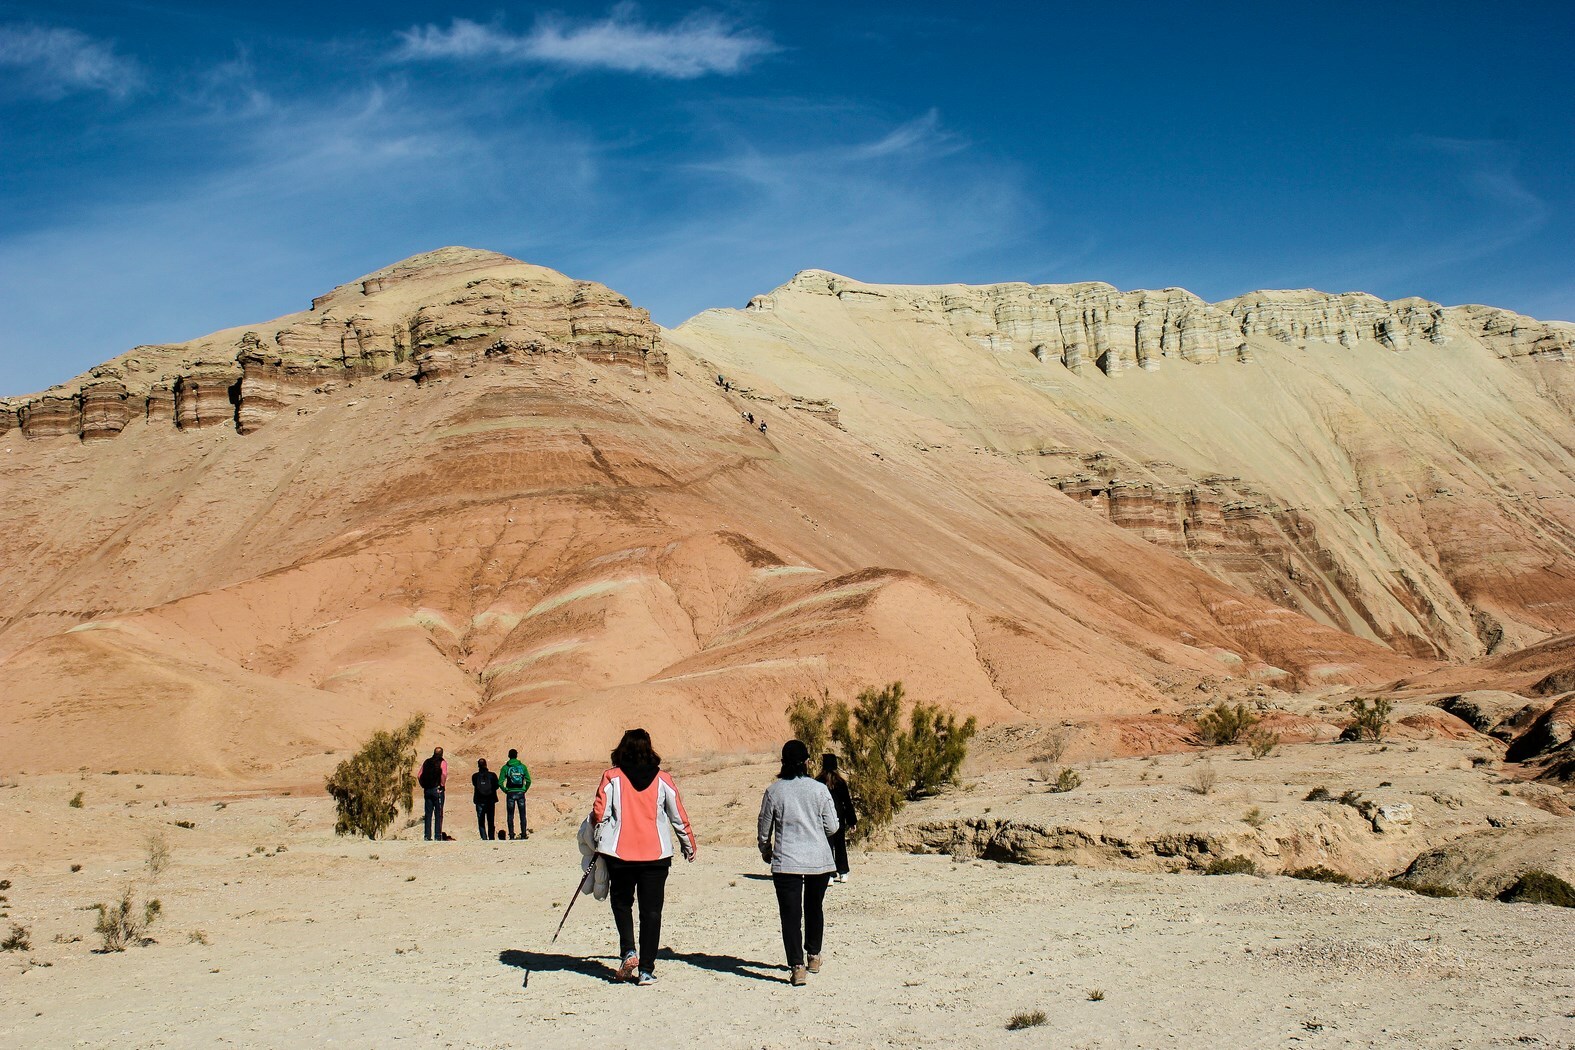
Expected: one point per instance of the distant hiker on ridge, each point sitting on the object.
(516, 781)
(636, 815)
(485, 783)
(797, 820)
(433, 781)
(842, 798)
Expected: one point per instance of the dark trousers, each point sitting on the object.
(487, 819)
(800, 901)
(432, 815)
(839, 850)
(649, 880)
(511, 802)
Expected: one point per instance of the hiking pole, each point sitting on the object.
(572, 898)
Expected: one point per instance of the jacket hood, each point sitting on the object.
(640, 777)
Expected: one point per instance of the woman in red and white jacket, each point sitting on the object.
(636, 816)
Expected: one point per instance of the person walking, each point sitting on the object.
(485, 783)
(515, 778)
(636, 816)
(847, 818)
(797, 820)
(433, 781)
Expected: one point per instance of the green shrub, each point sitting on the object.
(1261, 742)
(1319, 873)
(369, 787)
(1426, 889)
(1540, 887)
(1225, 724)
(124, 923)
(1370, 720)
(76, 801)
(1068, 780)
(1231, 866)
(886, 763)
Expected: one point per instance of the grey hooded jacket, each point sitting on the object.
(796, 816)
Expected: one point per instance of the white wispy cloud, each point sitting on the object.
(52, 62)
(701, 43)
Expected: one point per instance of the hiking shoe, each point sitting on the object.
(800, 976)
(646, 979)
(814, 964)
(626, 972)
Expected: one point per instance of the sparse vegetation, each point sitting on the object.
(125, 922)
(1539, 887)
(76, 868)
(1204, 777)
(76, 801)
(1068, 780)
(1319, 873)
(1232, 866)
(18, 940)
(1225, 724)
(1027, 1019)
(1370, 719)
(197, 937)
(1426, 889)
(1254, 817)
(886, 763)
(1319, 794)
(1096, 995)
(158, 854)
(1261, 742)
(186, 824)
(1351, 798)
(370, 787)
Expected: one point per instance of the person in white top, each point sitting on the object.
(797, 816)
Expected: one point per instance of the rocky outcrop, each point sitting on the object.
(430, 317)
(1306, 316)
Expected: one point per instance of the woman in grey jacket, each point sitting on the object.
(797, 817)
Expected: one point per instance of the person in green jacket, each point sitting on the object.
(515, 779)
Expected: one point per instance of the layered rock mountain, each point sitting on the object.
(480, 489)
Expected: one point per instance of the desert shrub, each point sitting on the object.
(1254, 817)
(76, 801)
(369, 787)
(1319, 794)
(1068, 780)
(1096, 995)
(1204, 777)
(124, 923)
(1540, 887)
(1261, 742)
(1027, 1019)
(1319, 873)
(18, 940)
(887, 763)
(185, 824)
(807, 717)
(198, 937)
(1370, 720)
(1351, 798)
(1426, 889)
(1231, 866)
(158, 854)
(1057, 741)
(1225, 724)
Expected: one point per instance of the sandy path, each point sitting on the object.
(323, 945)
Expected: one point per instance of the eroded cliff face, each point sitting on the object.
(427, 318)
(1401, 470)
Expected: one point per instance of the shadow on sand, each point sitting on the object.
(602, 968)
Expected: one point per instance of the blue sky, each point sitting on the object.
(171, 168)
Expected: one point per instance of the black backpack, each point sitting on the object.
(431, 773)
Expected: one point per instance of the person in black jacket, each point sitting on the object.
(842, 798)
(485, 783)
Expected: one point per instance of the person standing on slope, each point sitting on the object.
(485, 783)
(842, 798)
(636, 816)
(797, 820)
(516, 781)
(433, 781)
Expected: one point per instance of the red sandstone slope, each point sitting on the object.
(503, 498)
